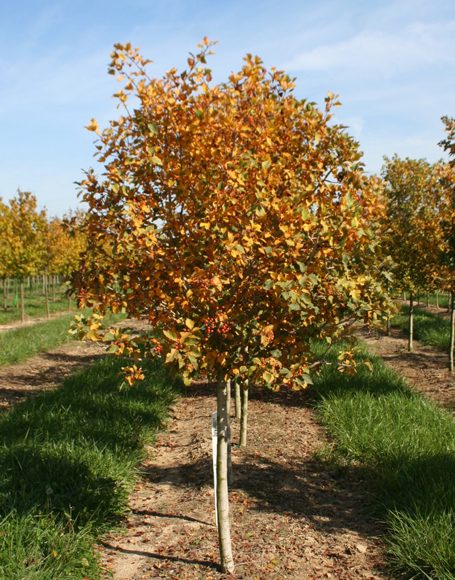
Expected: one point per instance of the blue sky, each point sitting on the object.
(391, 62)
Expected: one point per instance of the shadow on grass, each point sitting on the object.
(74, 450)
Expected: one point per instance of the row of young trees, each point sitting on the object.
(33, 244)
(418, 229)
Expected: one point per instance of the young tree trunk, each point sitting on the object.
(244, 415)
(5, 294)
(22, 300)
(452, 331)
(387, 325)
(238, 405)
(437, 299)
(222, 497)
(46, 295)
(228, 402)
(411, 323)
(53, 288)
(428, 300)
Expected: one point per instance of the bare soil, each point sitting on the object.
(425, 369)
(293, 516)
(44, 371)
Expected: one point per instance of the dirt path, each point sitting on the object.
(425, 368)
(44, 371)
(292, 516)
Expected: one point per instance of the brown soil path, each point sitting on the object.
(425, 369)
(44, 371)
(292, 515)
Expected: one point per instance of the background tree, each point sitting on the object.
(4, 249)
(447, 179)
(25, 242)
(413, 235)
(235, 219)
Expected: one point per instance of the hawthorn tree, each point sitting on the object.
(413, 233)
(236, 219)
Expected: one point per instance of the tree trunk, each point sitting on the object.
(387, 325)
(428, 300)
(411, 323)
(222, 497)
(437, 299)
(452, 331)
(22, 300)
(5, 295)
(238, 405)
(53, 288)
(46, 295)
(228, 403)
(244, 415)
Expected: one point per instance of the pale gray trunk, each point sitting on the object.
(230, 470)
(5, 295)
(437, 299)
(452, 331)
(244, 415)
(411, 323)
(222, 497)
(387, 325)
(22, 300)
(46, 295)
(238, 405)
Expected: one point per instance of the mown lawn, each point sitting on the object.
(405, 445)
(69, 460)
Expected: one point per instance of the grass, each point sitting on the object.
(442, 301)
(69, 460)
(429, 328)
(35, 305)
(24, 342)
(405, 445)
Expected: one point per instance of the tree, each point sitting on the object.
(4, 248)
(447, 256)
(413, 233)
(24, 243)
(235, 219)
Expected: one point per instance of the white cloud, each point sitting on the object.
(383, 52)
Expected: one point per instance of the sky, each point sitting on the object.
(392, 62)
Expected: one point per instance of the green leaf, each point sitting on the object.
(171, 335)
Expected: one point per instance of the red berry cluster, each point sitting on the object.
(212, 325)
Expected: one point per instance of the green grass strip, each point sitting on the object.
(429, 328)
(23, 342)
(405, 445)
(68, 460)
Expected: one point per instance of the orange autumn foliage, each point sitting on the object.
(234, 217)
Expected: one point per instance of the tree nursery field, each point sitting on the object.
(250, 385)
